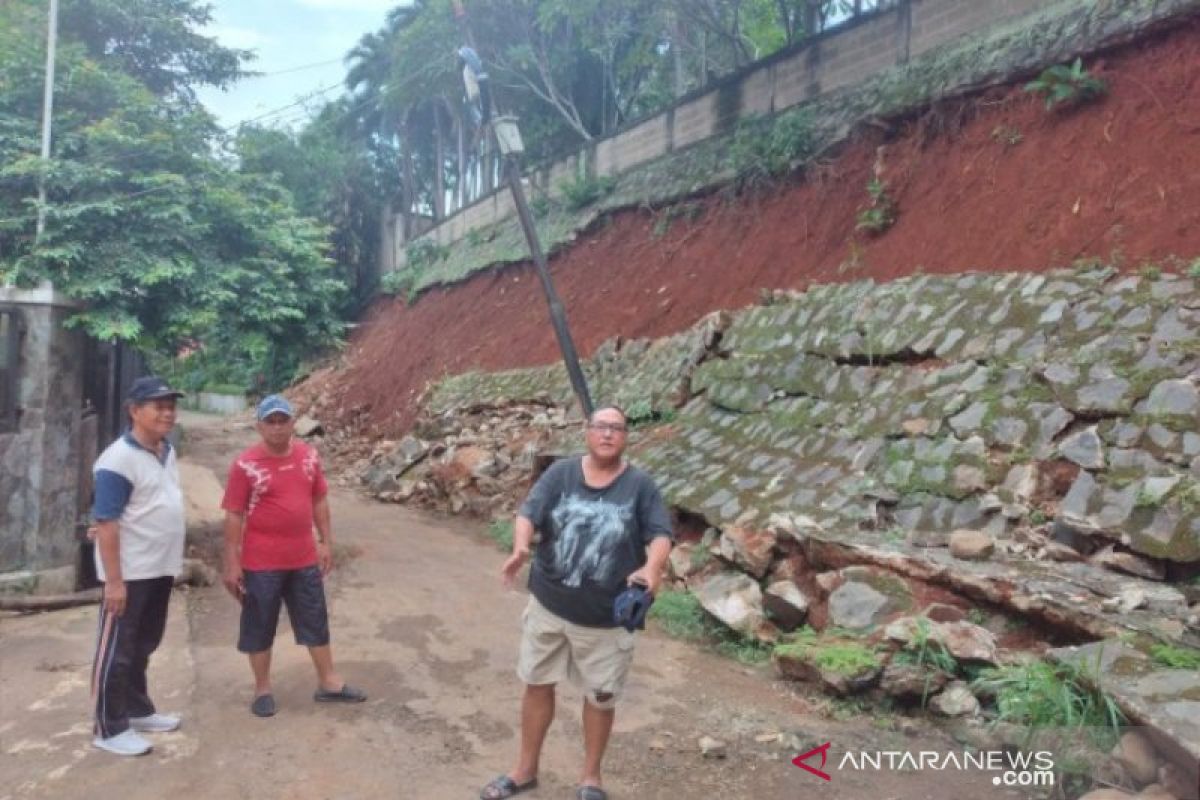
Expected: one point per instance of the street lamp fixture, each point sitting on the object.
(508, 135)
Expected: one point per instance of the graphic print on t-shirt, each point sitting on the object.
(310, 464)
(589, 537)
(260, 480)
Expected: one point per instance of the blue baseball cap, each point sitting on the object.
(274, 404)
(631, 606)
(151, 387)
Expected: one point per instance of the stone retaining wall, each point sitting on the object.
(924, 405)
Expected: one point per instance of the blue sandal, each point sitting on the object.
(505, 786)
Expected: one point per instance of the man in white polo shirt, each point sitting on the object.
(139, 550)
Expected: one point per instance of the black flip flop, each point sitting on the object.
(504, 786)
(590, 793)
(346, 694)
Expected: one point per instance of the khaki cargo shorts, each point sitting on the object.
(554, 650)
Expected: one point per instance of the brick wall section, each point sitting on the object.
(694, 120)
(938, 21)
(758, 93)
(834, 61)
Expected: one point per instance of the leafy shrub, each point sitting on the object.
(423, 254)
(540, 206)
(583, 191)
(419, 257)
(764, 149)
(639, 409)
(1064, 85)
(881, 213)
(401, 282)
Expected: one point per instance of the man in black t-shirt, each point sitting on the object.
(603, 526)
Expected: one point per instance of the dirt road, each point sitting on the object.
(421, 622)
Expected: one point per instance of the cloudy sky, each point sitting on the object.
(289, 36)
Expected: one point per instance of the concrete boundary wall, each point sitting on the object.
(216, 403)
(822, 65)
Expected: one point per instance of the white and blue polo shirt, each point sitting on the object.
(141, 491)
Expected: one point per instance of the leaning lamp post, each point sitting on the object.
(508, 138)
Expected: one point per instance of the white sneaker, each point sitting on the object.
(125, 743)
(155, 723)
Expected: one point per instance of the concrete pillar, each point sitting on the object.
(40, 459)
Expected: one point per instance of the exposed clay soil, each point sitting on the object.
(994, 182)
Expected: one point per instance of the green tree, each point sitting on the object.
(335, 176)
(162, 243)
(154, 41)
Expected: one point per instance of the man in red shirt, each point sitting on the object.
(275, 495)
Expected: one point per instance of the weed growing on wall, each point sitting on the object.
(763, 149)
(1064, 85)
(880, 214)
(582, 192)
(419, 257)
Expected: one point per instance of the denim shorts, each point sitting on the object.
(302, 590)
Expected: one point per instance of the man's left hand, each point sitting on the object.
(650, 578)
(324, 558)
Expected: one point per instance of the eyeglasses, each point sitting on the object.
(607, 427)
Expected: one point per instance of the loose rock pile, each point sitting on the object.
(473, 461)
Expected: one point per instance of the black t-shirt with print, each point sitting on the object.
(591, 539)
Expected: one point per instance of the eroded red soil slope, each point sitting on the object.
(994, 182)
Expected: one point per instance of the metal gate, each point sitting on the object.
(108, 370)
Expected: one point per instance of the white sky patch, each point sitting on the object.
(239, 38)
(299, 45)
(357, 5)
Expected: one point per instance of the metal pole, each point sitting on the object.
(47, 110)
(557, 316)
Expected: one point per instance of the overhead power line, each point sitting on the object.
(289, 70)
